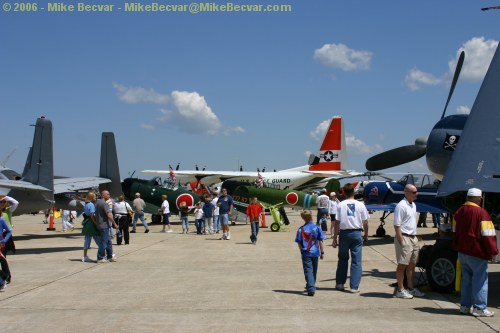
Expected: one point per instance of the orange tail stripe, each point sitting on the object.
(332, 139)
(326, 166)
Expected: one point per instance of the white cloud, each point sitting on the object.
(186, 111)
(358, 146)
(478, 55)
(320, 130)
(415, 78)
(134, 95)
(342, 57)
(463, 109)
(191, 113)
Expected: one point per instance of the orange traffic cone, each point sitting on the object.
(51, 220)
(263, 221)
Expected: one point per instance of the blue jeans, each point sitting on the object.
(139, 215)
(105, 249)
(474, 281)
(185, 223)
(224, 219)
(200, 224)
(321, 212)
(350, 241)
(310, 265)
(254, 226)
(88, 239)
(436, 219)
(216, 223)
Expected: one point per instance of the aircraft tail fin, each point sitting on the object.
(39, 168)
(333, 152)
(109, 167)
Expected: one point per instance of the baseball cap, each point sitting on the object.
(332, 194)
(474, 192)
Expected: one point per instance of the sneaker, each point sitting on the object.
(133, 231)
(465, 309)
(113, 258)
(163, 231)
(415, 292)
(3, 286)
(147, 230)
(102, 261)
(86, 259)
(482, 313)
(223, 237)
(311, 293)
(170, 230)
(354, 291)
(403, 293)
(340, 287)
(228, 237)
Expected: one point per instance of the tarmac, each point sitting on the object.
(172, 282)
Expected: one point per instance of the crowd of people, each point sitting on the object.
(474, 236)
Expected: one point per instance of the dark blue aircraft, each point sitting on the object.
(385, 195)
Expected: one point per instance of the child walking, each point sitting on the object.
(310, 238)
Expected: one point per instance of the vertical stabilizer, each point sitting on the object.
(109, 165)
(39, 168)
(333, 153)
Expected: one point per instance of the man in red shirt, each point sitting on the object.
(254, 211)
(475, 240)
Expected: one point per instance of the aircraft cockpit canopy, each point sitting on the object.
(420, 181)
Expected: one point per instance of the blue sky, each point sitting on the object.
(218, 89)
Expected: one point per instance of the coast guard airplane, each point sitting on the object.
(330, 163)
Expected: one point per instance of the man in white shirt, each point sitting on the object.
(322, 202)
(350, 222)
(406, 243)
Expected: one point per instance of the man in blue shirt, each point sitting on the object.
(310, 238)
(225, 204)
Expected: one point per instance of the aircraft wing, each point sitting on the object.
(383, 208)
(339, 173)
(21, 185)
(421, 208)
(64, 185)
(211, 177)
(476, 160)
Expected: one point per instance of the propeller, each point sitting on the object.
(405, 154)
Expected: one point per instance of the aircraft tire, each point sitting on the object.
(275, 227)
(156, 218)
(441, 270)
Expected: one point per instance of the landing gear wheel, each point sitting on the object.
(441, 271)
(275, 227)
(156, 218)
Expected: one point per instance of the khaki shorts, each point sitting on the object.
(408, 251)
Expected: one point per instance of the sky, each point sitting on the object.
(223, 89)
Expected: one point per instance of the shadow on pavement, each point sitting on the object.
(47, 250)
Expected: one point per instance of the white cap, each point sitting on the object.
(332, 194)
(474, 192)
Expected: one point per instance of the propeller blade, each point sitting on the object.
(395, 157)
(460, 62)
